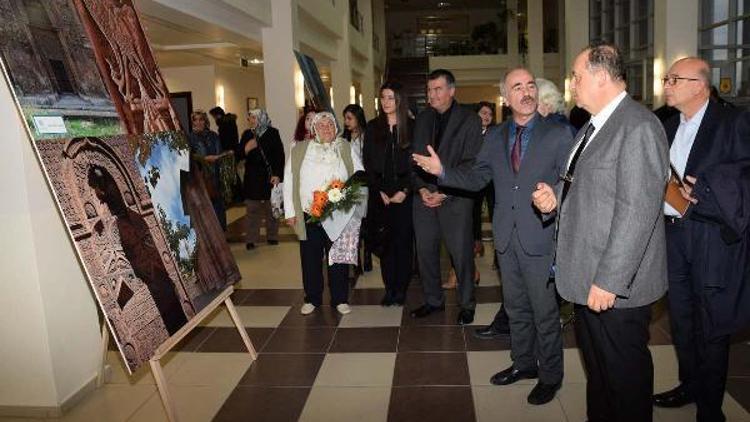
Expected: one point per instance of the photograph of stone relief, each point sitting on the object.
(52, 69)
(144, 251)
(127, 65)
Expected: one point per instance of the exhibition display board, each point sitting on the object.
(98, 114)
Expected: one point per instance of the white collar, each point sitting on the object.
(602, 116)
(697, 117)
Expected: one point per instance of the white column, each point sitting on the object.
(675, 36)
(48, 320)
(278, 69)
(512, 23)
(534, 13)
(576, 35)
(341, 70)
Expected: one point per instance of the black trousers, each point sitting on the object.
(486, 194)
(619, 369)
(312, 253)
(702, 359)
(396, 262)
(451, 222)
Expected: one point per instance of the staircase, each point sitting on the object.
(411, 73)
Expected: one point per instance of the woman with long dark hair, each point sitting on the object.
(387, 161)
(354, 132)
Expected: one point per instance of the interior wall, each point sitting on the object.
(198, 80)
(240, 84)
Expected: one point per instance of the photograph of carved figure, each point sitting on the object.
(52, 70)
(120, 242)
(127, 65)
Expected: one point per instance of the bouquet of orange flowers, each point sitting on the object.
(336, 195)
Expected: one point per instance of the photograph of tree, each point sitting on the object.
(52, 70)
(194, 235)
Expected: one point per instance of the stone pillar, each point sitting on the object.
(576, 37)
(341, 70)
(512, 23)
(534, 13)
(279, 64)
(675, 36)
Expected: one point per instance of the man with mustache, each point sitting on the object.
(517, 155)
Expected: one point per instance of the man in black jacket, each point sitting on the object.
(707, 246)
(227, 125)
(445, 214)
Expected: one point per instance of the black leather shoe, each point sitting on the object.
(543, 393)
(249, 246)
(465, 317)
(387, 300)
(425, 310)
(273, 242)
(488, 332)
(511, 375)
(676, 397)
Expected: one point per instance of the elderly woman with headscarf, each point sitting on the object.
(551, 104)
(263, 152)
(312, 165)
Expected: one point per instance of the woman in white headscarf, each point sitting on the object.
(312, 165)
(263, 152)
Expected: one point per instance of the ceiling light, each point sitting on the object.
(442, 4)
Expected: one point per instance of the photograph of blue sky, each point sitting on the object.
(161, 167)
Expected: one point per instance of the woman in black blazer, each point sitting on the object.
(387, 161)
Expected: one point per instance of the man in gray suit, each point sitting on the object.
(611, 253)
(516, 156)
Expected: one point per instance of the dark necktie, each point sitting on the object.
(515, 152)
(568, 178)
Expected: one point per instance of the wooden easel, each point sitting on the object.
(154, 362)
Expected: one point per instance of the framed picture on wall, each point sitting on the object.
(252, 103)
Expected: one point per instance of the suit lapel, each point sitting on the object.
(450, 129)
(703, 138)
(540, 129)
(605, 132)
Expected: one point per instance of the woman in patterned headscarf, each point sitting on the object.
(263, 152)
(311, 165)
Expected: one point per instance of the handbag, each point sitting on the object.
(277, 201)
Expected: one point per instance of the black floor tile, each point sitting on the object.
(365, 340)
(300, 340)
(323, 316)
(283, 370)
(415, 369)
(228, 340)
(431, 339)
(267, 404)
(453, 404)
(273, 297)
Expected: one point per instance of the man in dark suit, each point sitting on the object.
(516, 156)
(706, 247)
(456, 133)
(611, 254)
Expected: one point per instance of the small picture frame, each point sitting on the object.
(252, 103)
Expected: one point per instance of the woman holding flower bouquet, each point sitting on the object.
(325, 210)
(387, 161)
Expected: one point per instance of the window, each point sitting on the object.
(550, 26)
(629, 24)
(724, 41)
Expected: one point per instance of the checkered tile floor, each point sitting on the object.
(375, 364)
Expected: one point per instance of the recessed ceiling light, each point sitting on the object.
(442, 4)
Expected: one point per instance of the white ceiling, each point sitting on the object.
(179, 39)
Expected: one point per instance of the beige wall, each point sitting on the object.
(198, 80)
(204, 82)
(239, 84)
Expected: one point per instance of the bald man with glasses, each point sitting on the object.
(707, 243)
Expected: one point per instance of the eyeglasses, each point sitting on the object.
(672, 80)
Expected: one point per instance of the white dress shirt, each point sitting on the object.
(681, 147)
(598, 121)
